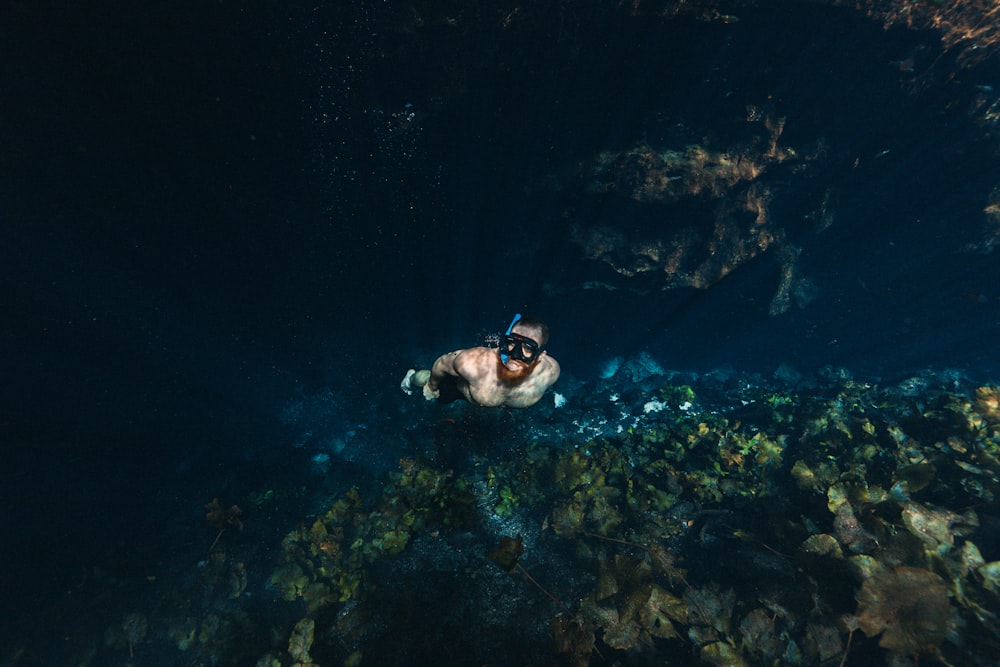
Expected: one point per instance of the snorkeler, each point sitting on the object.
(513, 373)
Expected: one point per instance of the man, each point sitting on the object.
(514, 375)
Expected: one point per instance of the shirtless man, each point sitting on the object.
(513, 375)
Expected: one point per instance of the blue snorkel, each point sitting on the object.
(503, 357)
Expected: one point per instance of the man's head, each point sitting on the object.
(534, 329)
(520, 348)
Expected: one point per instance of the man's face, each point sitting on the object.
(513, 371)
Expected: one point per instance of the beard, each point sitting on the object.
(512, 378)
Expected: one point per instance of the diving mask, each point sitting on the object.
(516, 346)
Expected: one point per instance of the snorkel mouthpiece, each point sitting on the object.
(503, 357)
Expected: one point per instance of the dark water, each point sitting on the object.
(227, 231)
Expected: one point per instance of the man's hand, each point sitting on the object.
(407, 383)
(415, 380)
(431, 392)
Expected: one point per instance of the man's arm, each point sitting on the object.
(442, 368)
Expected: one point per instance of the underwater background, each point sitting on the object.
(764, 237)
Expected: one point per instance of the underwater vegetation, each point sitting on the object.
(720, 522)
(324, 562)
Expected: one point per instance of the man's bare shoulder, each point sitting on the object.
(548, 372)
(551, 366)
(474, 360)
